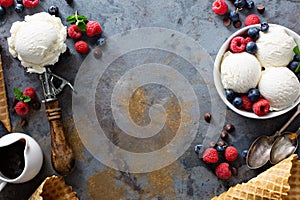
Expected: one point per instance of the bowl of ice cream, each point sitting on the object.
(259, 81)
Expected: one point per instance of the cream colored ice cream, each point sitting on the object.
(240, 71)
(37, 41)
(280, 86)
(275, 47)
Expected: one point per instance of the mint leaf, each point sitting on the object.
(81, 25)
(297, 70)
(18, 93)
(26, 99)
(71, 19)
(296, 50)
(81, 18)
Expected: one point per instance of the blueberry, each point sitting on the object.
(253, 33)
(251, 47)
(19, 1)
(296, 57)
(53, 10)
(19, 8)
(253, 94)
(220, 148)
(264, 27)
(237, 102)
(229, 94)
(197, 148)
(2, 11)
(234, 16)
(100, 41)
(244, 153)
(239, 3)
(249, 4)
(298, 76)
(293, 65)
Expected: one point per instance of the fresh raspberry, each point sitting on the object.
(74, 32)
(210, 155)
(237, 44)
(30, 3)
(82, 47)
(219, 7)
(252, 19)
(6, 3)
(247, 103)
(231, 153)
(21, 108)
(93, 28)
(223, 171)
(248, 39)
(29, 91)
(261, 107)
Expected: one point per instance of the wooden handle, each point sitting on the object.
(62, 156)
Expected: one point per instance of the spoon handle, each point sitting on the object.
(290, 121)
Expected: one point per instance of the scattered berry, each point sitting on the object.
(2, 10)
(249, 4)
(197, 148)
(212, 144)
(19, 8)
(293, 65)
(296, 57)
(237, 24)
(29, 91)
(223, 134)
(253, 94)
(100, 41)
(207, 117)
(252, 19)
(260, 9)
(229, 128)
(82, 47)
(237, 102)
(6, 3)
(36, 105)
(230, 95)
(234, 171)
(264, 27)
(261, 107)
(220, 148)
(20, 1)
(22, 108)
(239, 3)
(251, 47)
(231, 153)
(30, 3)
(226, 21)
(210, 155)
(53, 10)
(219, 7)
(234, 16)
(97, 53)
(253, 33)
(237, 44)
(93, 28)
(247, 103)
(244, 153)
(221, 143)
(74, 32)
(223, 171)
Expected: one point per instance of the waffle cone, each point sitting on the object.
(273, 184)
(4, 114)
(294, 181)
(54, 188)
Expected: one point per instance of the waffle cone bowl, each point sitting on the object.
(4, 114)
(282, 181)
(54, 188)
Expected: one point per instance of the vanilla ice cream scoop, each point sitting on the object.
(37, 41)
(280, 86)
(275, 47)
(240, 71)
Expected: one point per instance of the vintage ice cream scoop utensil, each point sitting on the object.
(284, 146)
(62, 155)
(259, 151)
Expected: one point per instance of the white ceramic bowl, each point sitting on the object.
(217, 76)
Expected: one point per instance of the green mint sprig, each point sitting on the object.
(20, 96)
(79, 20)
(297, 51)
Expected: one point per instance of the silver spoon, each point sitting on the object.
(284, 146)
(259, 151)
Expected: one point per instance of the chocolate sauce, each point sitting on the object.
(12, 161)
